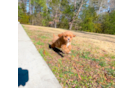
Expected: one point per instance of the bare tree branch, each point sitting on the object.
(76, 15)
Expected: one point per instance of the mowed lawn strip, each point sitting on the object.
(90, 65)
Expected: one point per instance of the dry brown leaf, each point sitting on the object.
(107, 59)
(99, 74)
(73, 86)
(76, 70)
(44, 52)
(113, 68)
(59, 65)
(103, 50)
(101, 54)
(65, 75)
(50, 62)
(67, 81)
(99, 86)
(97, 66)
(70, 79)
(108, 80)
(105, 78)
(67, 59)
(94, 76)
(79, 76)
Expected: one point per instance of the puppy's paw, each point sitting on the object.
(69, 52)
(65, 52)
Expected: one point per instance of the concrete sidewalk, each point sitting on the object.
(40, 75)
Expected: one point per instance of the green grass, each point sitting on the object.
(113, 57)
(33, 41)
(73, 53)
(88, 65)
(85, 55)
(44, 37)
(40, 43)
(96, 60)
(24, 27)
(81, 54)
(41, 52)
(110, 71)
(102, 63)
(59, 60)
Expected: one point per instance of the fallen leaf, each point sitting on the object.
(59, 65)
(101, 54)
(107, 59)
(50, 62)
(67, 82)
(105, 78)
(76, 70)
(74, 86)
(113, 68)
(65, 75)
(103, 50)
(108, 80)
(96, 66)
(70, 79)
(99, 86)
(44, 52)
(79, 76)
(67, 59)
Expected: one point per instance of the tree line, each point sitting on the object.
(81, 15)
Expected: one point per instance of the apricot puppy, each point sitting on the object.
(63, 41)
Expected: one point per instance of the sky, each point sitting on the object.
(27, 7)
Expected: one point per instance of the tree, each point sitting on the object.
(39, 7)
(85, 15)
(76, 14)
(108, 23)
(54, 6)
(88, 17)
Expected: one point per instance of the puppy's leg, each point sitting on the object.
(65, 49)
(69, 47)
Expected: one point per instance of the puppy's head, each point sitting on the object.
(67, 36)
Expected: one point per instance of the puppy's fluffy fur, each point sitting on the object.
(63, 41)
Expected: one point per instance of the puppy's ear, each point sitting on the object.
(74, 35)
(60, 35)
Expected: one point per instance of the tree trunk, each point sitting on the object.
(76, 15)
(74, 4)
(71, 26)
(30, 7)
(55, 24)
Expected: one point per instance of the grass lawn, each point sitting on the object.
(91, 63)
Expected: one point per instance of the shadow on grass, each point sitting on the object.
(58, 51)
(23, 77)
